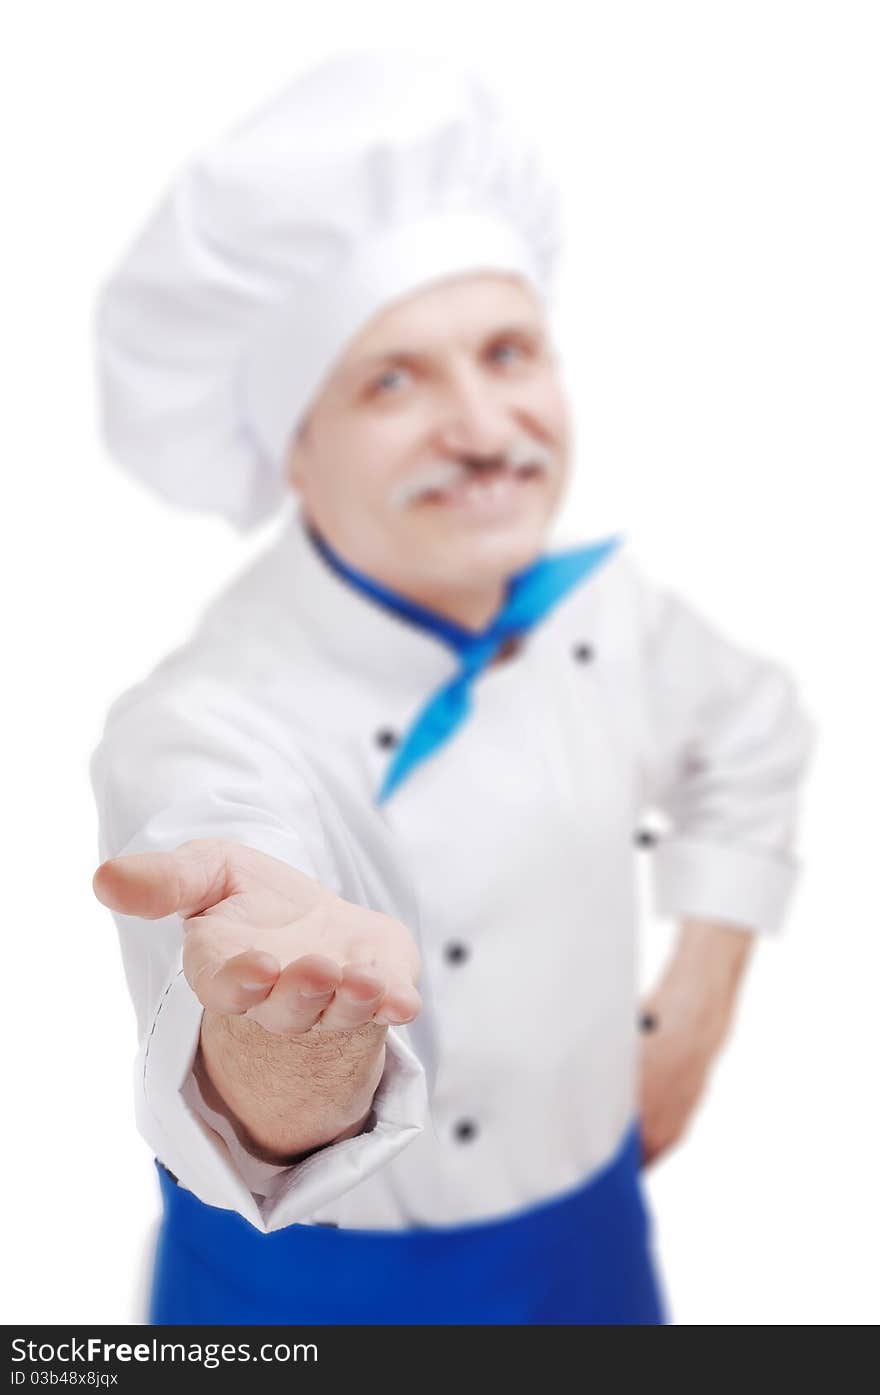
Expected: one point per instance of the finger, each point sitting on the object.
(206, 950)
(357, 997)
(401, 1004)
(304, 989)
(154, 884)
(238, 983)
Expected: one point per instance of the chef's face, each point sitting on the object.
(436, 452)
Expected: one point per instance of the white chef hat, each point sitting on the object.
(368, 176)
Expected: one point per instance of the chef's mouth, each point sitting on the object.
(487, 477)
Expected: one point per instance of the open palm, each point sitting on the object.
(265, 940)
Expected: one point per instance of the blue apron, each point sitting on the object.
(584, 1258)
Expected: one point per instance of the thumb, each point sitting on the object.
(155, 884)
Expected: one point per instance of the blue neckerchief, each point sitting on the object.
(530, 595)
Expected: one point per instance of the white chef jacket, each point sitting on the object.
(510, 853)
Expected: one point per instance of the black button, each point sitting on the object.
(386, 738)
(456, 953)
(465, 1130)
(645, 838)
(583, 653)
(648, 1022)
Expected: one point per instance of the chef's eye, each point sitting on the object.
(506, 351)
(390, 381)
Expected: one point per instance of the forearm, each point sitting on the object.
(288, 1095)
(704, 974)
(692, 1011)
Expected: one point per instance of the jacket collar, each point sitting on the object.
(352, 627)
(366, 627)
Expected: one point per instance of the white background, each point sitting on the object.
(720, 171)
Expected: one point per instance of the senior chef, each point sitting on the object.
(370, 834)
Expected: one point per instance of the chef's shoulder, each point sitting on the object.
(248, 666)
(625, 599)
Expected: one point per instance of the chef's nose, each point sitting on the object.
(476, 422)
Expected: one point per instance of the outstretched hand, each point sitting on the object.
(264, 940)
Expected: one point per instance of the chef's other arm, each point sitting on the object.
(298, 985)
(187, 760)
(729, 749)
(685, 1020)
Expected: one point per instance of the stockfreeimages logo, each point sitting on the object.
(95, 1351)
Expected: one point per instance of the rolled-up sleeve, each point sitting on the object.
(184, 764)
(729, 745)
(201, 1158)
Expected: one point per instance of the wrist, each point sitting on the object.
(287, 1096)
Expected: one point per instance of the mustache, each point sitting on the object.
(439, 475)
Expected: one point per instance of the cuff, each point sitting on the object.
(260, 1178)
(749, 888)
(201, 1160)
(400, 1110)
